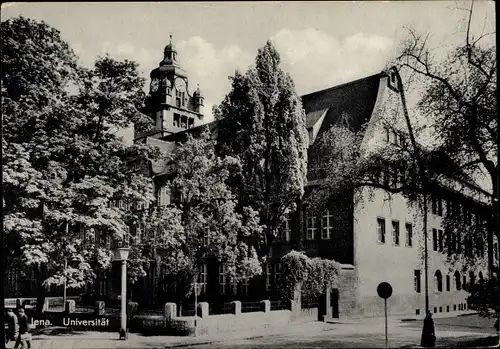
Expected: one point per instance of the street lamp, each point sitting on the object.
(121, 254)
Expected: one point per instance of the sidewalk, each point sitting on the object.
(400, 334)
(401, 318)
(110, 340)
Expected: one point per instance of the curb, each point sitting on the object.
(184, 345)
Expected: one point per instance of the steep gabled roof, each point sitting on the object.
(313, 117)
(195, 132)
(356, 99)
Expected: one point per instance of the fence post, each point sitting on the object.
(204, 309)
(266, 306)
(296, 305)
(170, 311)
(100, 308)
(328, 300)
(236, 307)
(45, 305)
(69, 307)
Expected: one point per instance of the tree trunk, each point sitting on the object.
(41, 290)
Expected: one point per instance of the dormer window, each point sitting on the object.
(393, 80)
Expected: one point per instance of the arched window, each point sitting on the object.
(438, 281)
(481, 278)
(472, 278)
(458, 281)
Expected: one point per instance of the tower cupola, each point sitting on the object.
(198, 100)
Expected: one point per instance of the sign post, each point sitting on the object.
(384, 291)
(195, 308)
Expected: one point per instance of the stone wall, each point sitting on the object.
(347, 287)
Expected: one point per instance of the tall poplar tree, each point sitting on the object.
(261, 121)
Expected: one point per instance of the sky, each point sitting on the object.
(322, 44)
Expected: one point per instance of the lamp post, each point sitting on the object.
(121, 254)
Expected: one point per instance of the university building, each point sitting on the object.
(375, 237)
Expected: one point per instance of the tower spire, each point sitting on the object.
(170, 38)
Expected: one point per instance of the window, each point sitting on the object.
(163, 196)
(480, 247)
(183, 99)
(184, 121)
(440, 235)
(434, 240)
(453, 243)
(464, 282)
(416, 281)
(268, 277)
(381, 230)
(438, 281)
(472, 278)
(202, 278)
(458, 281)
(277, 274)
(178, 99)
(326, 225)
(244, 286)
(409, 234)
(206, 236)
(177, 120)
(190, 122)
(439, 206)
(284, 232)
(481, 278)
(395, 178)
(395, 233)
(234, 287)
(311, 227)
(448, 281)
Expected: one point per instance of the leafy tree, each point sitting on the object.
(459, 93)
(210, 226)
(63, 165)
(261, 121)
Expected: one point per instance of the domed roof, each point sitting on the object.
(197, 93)
(170, 47)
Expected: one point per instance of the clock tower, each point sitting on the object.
(169, 102)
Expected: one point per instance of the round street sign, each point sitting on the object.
(384, 290)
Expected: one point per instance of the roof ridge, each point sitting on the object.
(343, 84)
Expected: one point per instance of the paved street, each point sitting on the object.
(364, 333)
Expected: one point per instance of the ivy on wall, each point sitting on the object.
(313, 275)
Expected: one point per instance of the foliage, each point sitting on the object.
(459, 94)
(63, 165)
(484, 297)
(209, 224)
(340, 164)
(313, 275)
(261, 121)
